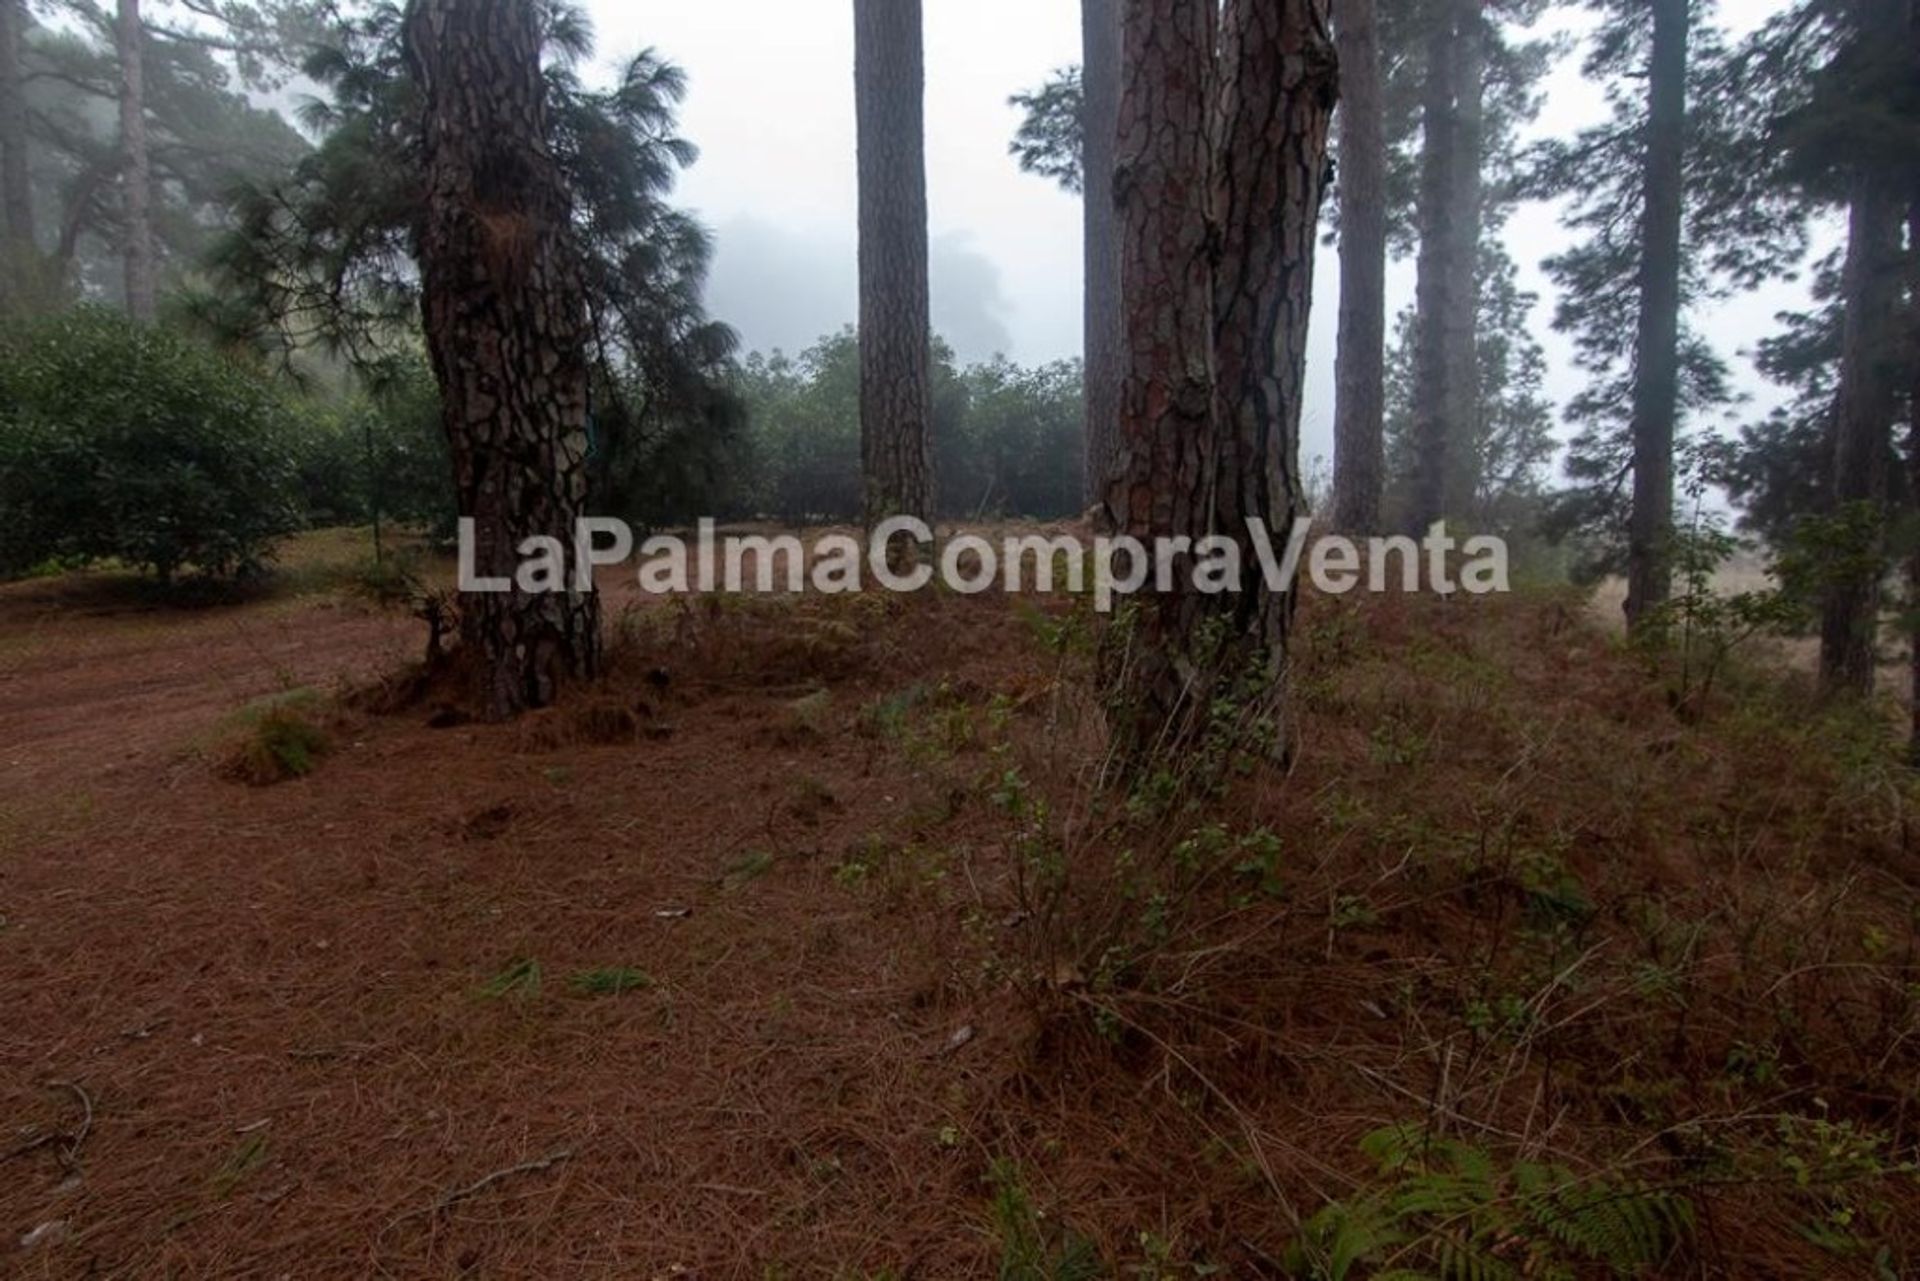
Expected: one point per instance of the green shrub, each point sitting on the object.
(1006, 439)
(381, 454)
(129, 443)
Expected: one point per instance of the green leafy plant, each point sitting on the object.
(1703, 627)
(1451, 1211)
(1031, 1248)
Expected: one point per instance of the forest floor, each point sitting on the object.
(808, 944)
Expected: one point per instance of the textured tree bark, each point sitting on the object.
(1102, 32)
(1656, 387)
(1913, 445)
(1279, 83)
(1850, 622)
(16, 183)
(1913, 416)
(1359, 463)
(896, 344)
(1222, 170)
(136, 169)
(1157, 486)
(507, 328)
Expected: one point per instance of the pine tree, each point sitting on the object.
(896, 337)
(1846, 120)
(1675, 201)
(508, 328)
(322, 260)
(1473, 88)
(1506, 456)
(1225, 157)
(1656, 380)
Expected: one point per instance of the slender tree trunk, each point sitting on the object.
(1850, 625)
(136, 171)
(1656, 386)
(1446, 398)
(1359, 463)
(1157, 487)
(896, 344)
(1437, 303)
(16, 183)
(1913, 448)
(1279, 83)
(508, 330)
(1466, 208)
(1103, 32)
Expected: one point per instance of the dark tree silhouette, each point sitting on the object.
(1359, 454)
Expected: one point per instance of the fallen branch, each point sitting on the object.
(452, 1198)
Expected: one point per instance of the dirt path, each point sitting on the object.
(272, 1002)
(92, 680)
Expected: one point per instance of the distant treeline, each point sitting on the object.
(145, 446)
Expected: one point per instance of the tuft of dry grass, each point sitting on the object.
(274, 741)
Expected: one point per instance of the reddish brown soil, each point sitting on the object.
(245, 1031)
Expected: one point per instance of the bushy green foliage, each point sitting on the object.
(1050, 139)
(1015, 449)
(805, 415)
(378, 455)
(129, 443)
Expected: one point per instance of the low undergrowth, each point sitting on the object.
(275, 740)
(1523, 969)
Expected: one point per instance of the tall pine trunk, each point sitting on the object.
(1279, 81)
(16, 184)
(896, 344)
(1656, 386)
(1223, 165)
(1850, 622)
(1359, 462)
(1446, 326)
(508, 331)
(136, 169)
(1102, 38)
(1157, 487)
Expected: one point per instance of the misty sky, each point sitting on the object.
(771, 107)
